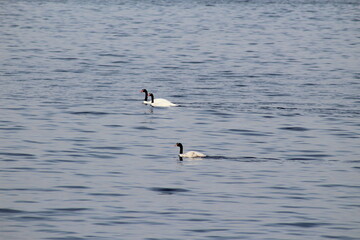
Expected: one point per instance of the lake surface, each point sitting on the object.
(269, 90)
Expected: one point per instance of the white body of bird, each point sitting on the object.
(160, 102)
(192, 154)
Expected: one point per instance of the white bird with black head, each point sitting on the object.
(190, 154)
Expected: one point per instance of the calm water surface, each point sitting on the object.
(268, 89)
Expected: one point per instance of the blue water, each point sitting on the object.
(269, 90)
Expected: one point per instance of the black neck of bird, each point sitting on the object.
(181, 149)
(146, 95)
(152, 98)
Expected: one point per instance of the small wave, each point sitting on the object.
(65, 58)
(209, 230)
(171, 67)
(310, 84)
(300, 159)
(108, 194)
(169, 191)
(30, 189)
(144, 128)
(307, 157)
(248, 132)
(230, 158)
(73, 187)
(66, 161)
(298, 129)
(300, 224)
(9, 210)
(89, 113)
(69, 209)
(339, 186)
(17, 154)
(193, 62)
(114, 126)
(33, 218)
(109, 148)
(117, 62)
(111, 55)
(242, 159)
(15, 128)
